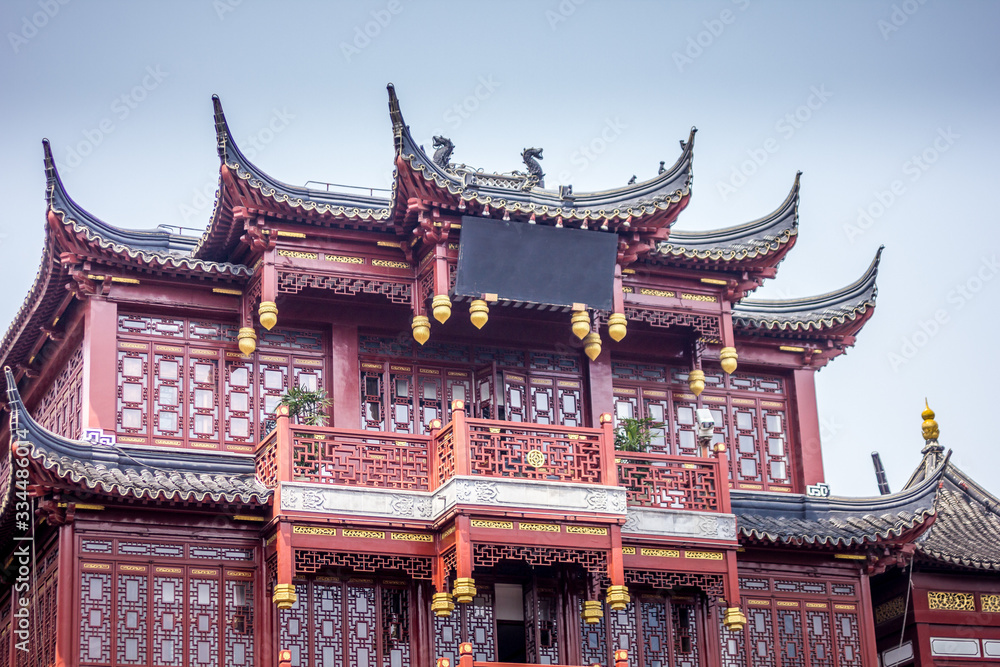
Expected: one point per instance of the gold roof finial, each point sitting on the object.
(929, 427)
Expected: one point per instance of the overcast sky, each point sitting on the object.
(889, 108)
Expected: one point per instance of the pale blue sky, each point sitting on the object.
(848, 92)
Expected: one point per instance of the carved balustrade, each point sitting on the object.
(478, 447)
(670, 482)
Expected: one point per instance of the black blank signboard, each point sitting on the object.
(537, 264)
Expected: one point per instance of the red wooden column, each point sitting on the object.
(617, 596)
(460, 439)
(66, 626)
(807, 418)
(609, 473)
(284, 589)
(601, 390)
(100, 364)
(866, 623)
(464, 589)
(344, 377)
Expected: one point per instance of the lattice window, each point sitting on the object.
(95, 617)
(848, 640)
(60, 408)
(594, 641)
(401, 411)
(183, 382)
(624, 630)
(203, 619)
(239, 618)
(820, 639)
(430, 397)
(687, 648)
(372, 398)
(761, 638)
(295, 626)
(362, 625)
(328, 624)
(131, 613)
(168, 618)
(655, 631)
(395, 626)
(790, 649)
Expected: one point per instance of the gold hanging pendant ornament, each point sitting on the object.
(696, 381)
(268, 313)
(441, 307)
(580, 322)
(442, 604)
(464, 590)
(247, 339)
(592, 345)
(618, 597)
(593, 611)
(479, 313)
(734, 619)
(617, 326)
(727, 359)
(284, 596)
(421, 328)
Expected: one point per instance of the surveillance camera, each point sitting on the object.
(706, 423)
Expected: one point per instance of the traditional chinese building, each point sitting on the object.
(484, 489)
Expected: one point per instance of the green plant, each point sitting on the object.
(306, 406)
(634, 435)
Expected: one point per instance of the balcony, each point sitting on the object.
(490, 450)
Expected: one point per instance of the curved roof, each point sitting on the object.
(769, 237)
(220, 233)
(148, 247)
(136, 472)
(638, 203)
(851, 305)
(835, 522)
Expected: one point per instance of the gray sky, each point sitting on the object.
(890, 108)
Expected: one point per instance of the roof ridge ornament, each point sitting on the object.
(932, 451)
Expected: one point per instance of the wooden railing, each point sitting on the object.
(670, 482)
(479, 447)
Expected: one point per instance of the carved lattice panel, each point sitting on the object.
(309, 561)
(133, 390)
(430, 397)
(711, 584)
(488, 555)
(820, 639)
(294, 625)
(95, 617)
(267, 463)
(654, 480)
(395, 627)
(401, 399)
(272, 382)
(515, 394)
(655, 632)
(760, 637)
(238, 415)
(362, 626)
(168, 618)
(543, 406)
(59, 410)
(480, 625)
(239, 615)
(328, 624)
(734, 646)
(293, 283)
(203, 619)
(500, 451)
(372, 398)
(790, 647)
(848, 640)
(594, 641)
(363, 461)
(774, 442)
(168, 395)
(132, 605)
(708, 326)
(624, 633)
(687, 649)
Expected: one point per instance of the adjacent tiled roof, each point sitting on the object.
(499, 191)
(833, 522)
(851, 305)
(132, 471)
(772, 235)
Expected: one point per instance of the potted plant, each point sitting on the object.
(635, 435)
(306, 407)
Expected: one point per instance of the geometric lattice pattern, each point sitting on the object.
(488, 555)
(293, 283)
(510, 451)
(60, 408)
(655, 480)
(396, 462)
(711, 584)
(708, 326)
(308, 561)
